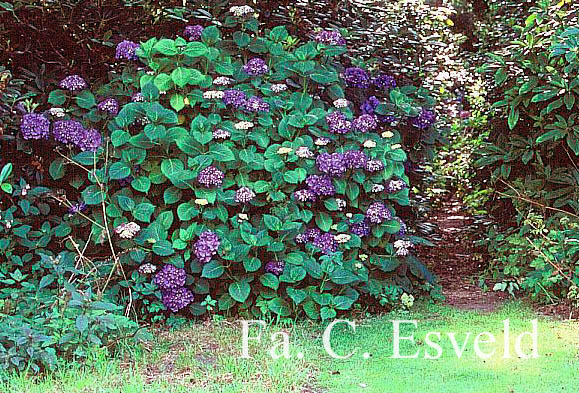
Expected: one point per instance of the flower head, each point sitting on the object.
(206, 246)
(234, 97)
(321, 185)
(332, 164)
(34, 126)
(342, 238)
(68, 131)
(244, 195)
(211, 177)
(355, 159)
(127, 230)
(374, 165)
(57, 112)
(137, 97)
(213, 94)
(365, 123)
(361, 228)
(384, 81)
(378, 212)
(221, 134)
(73, 83)
(256, 67)
(340, 103)
(278, 87)
(357, 77)
(241, 10)
(326, 243)
(243, 125)
(329, 37)
(222, 81)
(337, 123)
(424, 120)
(127, 50)
(77, 207)
(147, 268)
(403, 247)
(305, 195)
(304, 152)
(193, 32)
(394, 186)
(322, 141)
(275, 267)
(91, 140)
(256, 104)
(170, 276)
(109, 105)
(177, 298)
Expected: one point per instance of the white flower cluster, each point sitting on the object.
(403, 247)
(407, 300)
(341, 203)
(341, 103)
(222, 81)
(369, 144)
(241, 10)
(304, 152)
(213, 95)
(243, 125)
(147, 268)
(322, 141)
(342, 238)
(278, 87)
(57, 112)
(377, 188)
(127, 230)
(284, 150)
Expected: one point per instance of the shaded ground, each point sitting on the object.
(454, 261)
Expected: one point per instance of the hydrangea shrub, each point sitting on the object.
(248, 168)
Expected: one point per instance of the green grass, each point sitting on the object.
(204, 358)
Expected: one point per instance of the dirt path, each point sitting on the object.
(454, 261)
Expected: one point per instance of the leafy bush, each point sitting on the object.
(242, 168)
(532, 158)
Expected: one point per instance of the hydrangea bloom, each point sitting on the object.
(222, 81)
(361, 228)
(337, 123)
(424, 120)
(127, 230)
(403, 227)
(127, 50)
(278, 87)
(57, 112)
(73, 83)
(321, 185)
(234, 97)
(147, 268)
(34, 126)
(369, 106)
(137, 97)
(326, 243)
(241, 10)
(275, 267)
(384, 81)
(193, 32)
(305, 195)
(304, 152)
(357, 77)
(355, 159)
(365, 123)
(109, 105)
(68, 131)
(206, 246)
(221, 134)
(332, 164)
(394, 186)
(170, 277)
(211, 177)
(256, 67)
(329, 37)
(177, 299)
(256, 104)
(403, 247)
(374, 165)
(244, 195)
(378, 212)
(91, 140)
(341, 103)
(322, 141)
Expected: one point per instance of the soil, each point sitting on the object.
(456, 263)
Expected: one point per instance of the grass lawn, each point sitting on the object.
(204, 358)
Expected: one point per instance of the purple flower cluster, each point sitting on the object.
(377, 212)
(256, 104)
(369, 106)
(68, 131)
(337, 123)
(403, 227)
(176, 299)
(361, 228)
(35, 126)
(332, 164)
(384, 81)
(321, 185)
(275, 267)
(170, 277)
(256, 67)
(357, 77)
(109, 105)
(127, 50)
(211, 177)
(365, 123)
(206, 246)
(91, 140)
(305, 196)
(73, 83)
(355, 159)
(234, 97)
(77, 207)
(326, 243)
(374, 166)
(244, 195)
(394, 186)
(193, 32)
(329, 37)
(424, 120)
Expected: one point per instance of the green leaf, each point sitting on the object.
(180, 76)
(239, 290)
(92, 195)
(342, 302)
(213, 269)
(513, 117)
(172, 167)
(81, 323)
(142, 184)
(85, 99)
(143, 212)
(195, 49)
(342, 276)
(251, 264)
(269, 280)
(163, 248)
(57, 97)
(279, 307)
(56, 169)
(327, 313)
(177, 101)
(324, 221)
(119, 170)
(166, 47)
(221, 153)
(272, 222)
